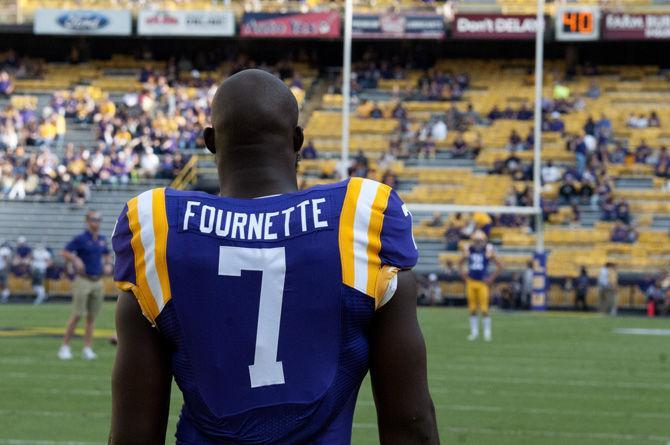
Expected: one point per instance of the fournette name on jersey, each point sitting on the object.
(211, 219)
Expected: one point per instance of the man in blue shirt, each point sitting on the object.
(86, 252)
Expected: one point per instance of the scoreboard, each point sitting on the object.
(577, 23)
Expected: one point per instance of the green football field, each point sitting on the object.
(554, 378)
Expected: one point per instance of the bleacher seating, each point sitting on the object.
(624, 89)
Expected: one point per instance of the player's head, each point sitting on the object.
(479, 238)
(254, 125)
(93, 220)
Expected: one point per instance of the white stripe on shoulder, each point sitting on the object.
(145, 213)
(361, 224)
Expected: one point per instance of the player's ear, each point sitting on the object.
(298, 138)
(208, 135)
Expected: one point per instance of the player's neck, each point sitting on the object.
(254, 183)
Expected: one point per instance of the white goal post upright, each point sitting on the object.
(346, 87)
(537, 131)
(535, 210)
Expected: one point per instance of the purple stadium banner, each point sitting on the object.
(494, 27)
(636, 27)
(398, 26)
(312, 25)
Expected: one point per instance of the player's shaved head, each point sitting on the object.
(254, 129)
(253, 107)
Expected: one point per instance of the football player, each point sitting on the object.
(267, 304)
(477, 256)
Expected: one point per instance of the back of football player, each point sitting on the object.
(270, 304)
(477, 255)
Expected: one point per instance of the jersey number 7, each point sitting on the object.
(265, 370)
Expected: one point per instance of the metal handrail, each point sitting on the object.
(187, 175)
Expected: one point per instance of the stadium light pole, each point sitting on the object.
(346, 86)
(537, 131)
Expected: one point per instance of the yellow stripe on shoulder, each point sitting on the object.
(160, 236)
(346, 232)
(147, 302)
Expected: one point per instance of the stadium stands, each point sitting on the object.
(397, 147)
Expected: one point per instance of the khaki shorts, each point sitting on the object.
(87, 297)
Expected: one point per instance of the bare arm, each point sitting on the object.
(141, 379)
(499, 268)
(74, 259)
(405, 412)
(461, 267)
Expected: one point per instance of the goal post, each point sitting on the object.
(534, 210)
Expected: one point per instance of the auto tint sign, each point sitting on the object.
(82, 22)
(312, 25)
(494, 27)
(636, 27)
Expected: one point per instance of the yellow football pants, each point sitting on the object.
(477, 293)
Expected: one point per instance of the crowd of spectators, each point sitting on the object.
(143, 134)
(643, 121)
(32, 262)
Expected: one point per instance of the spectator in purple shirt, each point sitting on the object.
(22, 257)
(495, 113)
(524, 113)
(608, 209)
(308, 151)
(623, 212)
(662, 164)
(619, 233)
(555, 123)
(642, 152)
(6, 84)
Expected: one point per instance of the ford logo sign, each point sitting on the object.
(82, 21)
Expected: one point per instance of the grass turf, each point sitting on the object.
(545, 379)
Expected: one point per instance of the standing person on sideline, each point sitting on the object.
(86, 252)
(607, 289)
(229, 283)
(527, 285)
(582, 283)
(41, 260)
(478, 281)
(5, 262)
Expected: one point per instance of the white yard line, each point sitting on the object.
(68, 392)
(531, 370)
(52, 376)
(540, 411)
(639, 331)
(546, 395)
(546, 382)
(635, 438)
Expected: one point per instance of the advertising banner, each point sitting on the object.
(186, 23)
(636, 27)
(398, 26)
(312, 25)
(540, 285)
(82, 22)
(494, 27)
